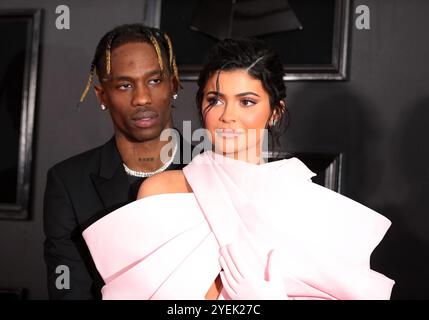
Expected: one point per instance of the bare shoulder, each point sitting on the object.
(172, 181)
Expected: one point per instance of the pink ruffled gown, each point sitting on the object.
(167, 246)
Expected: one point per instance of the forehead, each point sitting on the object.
(234, 82)
(134, 58)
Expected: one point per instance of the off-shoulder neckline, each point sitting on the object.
(219, 158)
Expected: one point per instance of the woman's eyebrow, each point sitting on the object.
(247, 93)
(242, 94)
(216, 93)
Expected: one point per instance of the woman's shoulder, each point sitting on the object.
(172, 181)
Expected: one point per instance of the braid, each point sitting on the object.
(170, 48)
(176, 72)
(88, 84)
(155, 44)
(172, 58)
(108, 53)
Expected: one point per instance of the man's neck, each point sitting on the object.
(140, 156)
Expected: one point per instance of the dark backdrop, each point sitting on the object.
(378, 118)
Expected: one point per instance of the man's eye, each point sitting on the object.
(155, 81)
(124, 86)
(248, 102)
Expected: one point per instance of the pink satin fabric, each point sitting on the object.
(167, 246)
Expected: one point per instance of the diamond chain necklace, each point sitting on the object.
(142, 174)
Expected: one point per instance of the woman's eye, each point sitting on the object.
(213, 101)
(248, 102)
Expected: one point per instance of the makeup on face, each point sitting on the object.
(235, 106)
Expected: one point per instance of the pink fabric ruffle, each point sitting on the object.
(167, 246)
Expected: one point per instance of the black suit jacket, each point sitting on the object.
(79, 191)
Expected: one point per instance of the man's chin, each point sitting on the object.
(145, 135)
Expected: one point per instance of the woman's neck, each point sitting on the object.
(252, 156)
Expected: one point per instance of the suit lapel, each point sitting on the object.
(111, 182)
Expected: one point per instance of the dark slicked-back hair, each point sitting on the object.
(129, 33)
(261, 62)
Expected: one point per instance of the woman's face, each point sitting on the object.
(237, 117)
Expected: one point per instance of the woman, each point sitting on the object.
(216, 229)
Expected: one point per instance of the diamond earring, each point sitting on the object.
(103, 107)
(174, 96)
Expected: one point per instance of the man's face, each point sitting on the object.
(136, 94)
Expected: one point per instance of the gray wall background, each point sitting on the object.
(378, 117)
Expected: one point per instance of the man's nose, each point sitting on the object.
(142, 96)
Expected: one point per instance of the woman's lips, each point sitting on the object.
(229, 133)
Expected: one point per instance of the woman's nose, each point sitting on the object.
(228, 114)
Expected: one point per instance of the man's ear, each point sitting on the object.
(99, 92)
(174, 84)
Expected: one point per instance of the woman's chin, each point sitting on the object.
(227, 151)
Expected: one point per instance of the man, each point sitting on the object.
(138, 80)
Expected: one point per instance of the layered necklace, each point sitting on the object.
(142, 174)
